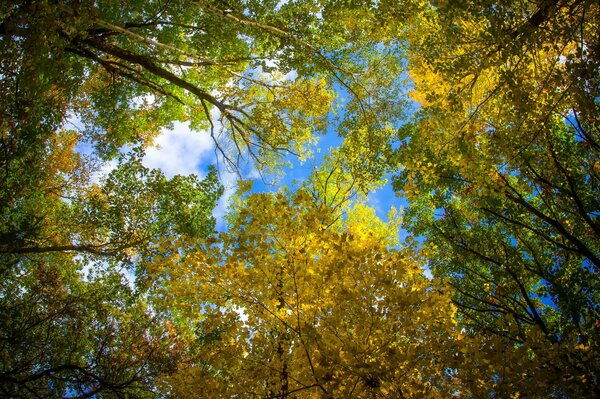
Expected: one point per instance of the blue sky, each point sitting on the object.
(182, 151)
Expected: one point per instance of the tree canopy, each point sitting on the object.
(483, 114)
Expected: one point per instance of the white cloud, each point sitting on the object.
(103, 171)
(291, 75)
(181, 151)
(229, 181)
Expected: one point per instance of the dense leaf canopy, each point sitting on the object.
(485, 114)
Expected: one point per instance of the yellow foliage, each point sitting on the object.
(290, 304)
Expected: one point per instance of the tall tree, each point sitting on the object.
(62, 335)
(52, 206)
(128, 71)
(72, 325)
(284, 306)
(121, 73)
(500, 169)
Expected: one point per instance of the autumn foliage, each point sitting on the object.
(484, 116)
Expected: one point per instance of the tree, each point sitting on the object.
(284, 306)
(123, 216)
(72, 326)
(129, 71)
(500, 172)
(308, 294)
(67, 336)
(120, 75)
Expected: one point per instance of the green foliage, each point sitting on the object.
(127, 72)
(135, 207)
(63, 335)
(500, 170)
(308, 294)
(71, 324)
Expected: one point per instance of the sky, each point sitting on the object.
(183, 151)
